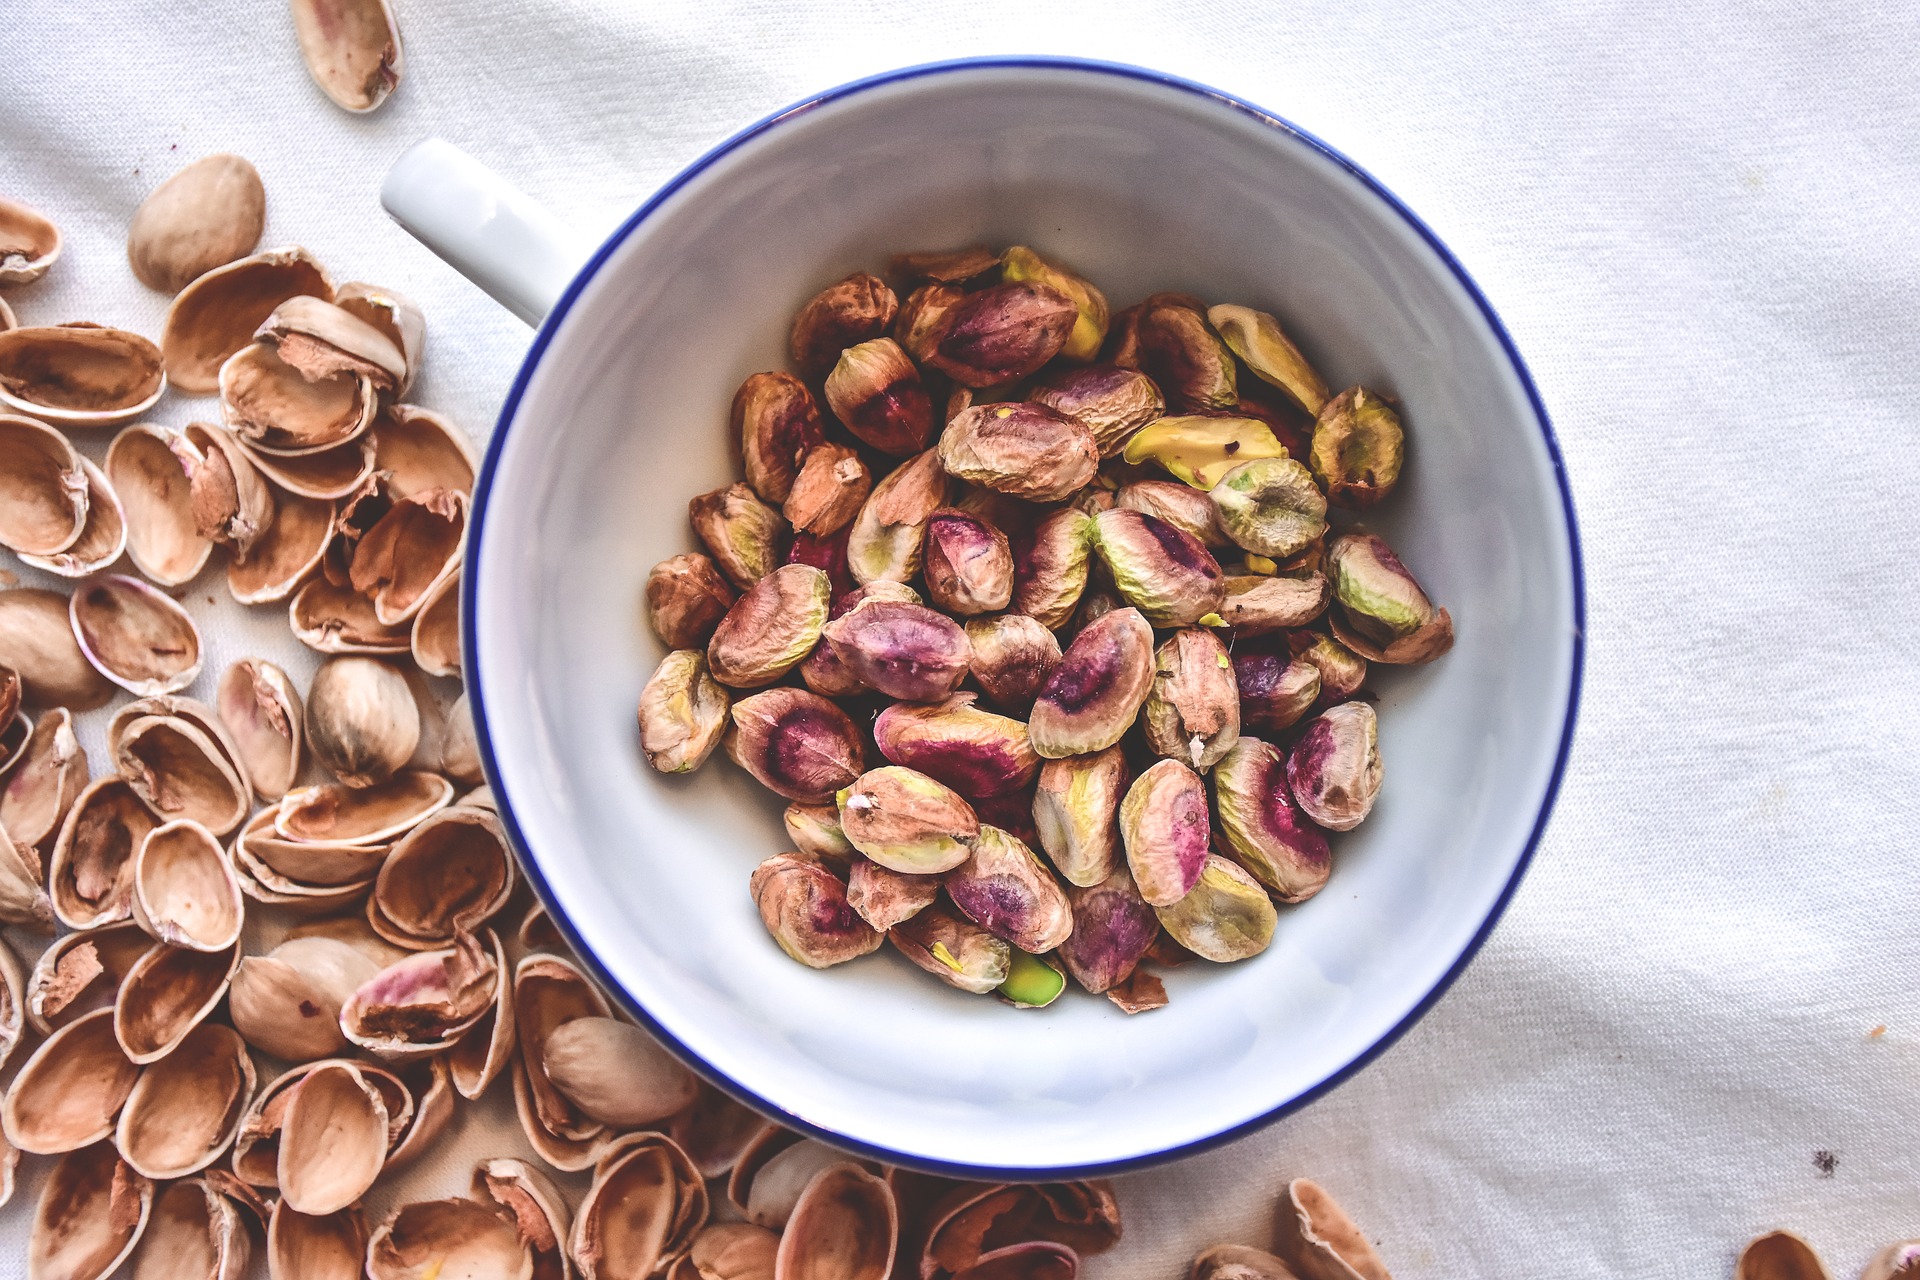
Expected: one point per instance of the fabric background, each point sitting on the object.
(1699, 222)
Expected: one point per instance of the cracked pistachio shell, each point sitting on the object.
(884, 897)
(215, 316)
(1090, 305)
(906, 821)
(904, 651)
(1261, 604)
(1342, 671)
(887, 534)
(1180, 505)
(842, 315)
(815, 829)
(1226, 916)
(1334, 767)
(1192, 713)
(1200, 450)
(1050, 567)
(1167, 574)
(1781, 1255)
(795, 743)
(352, 50)
(1270, 506)
(1382, 614)
(1172, 343)
(1264, 828)
(1275, 689)
(1026, 450)
(1033, 982)
(917, 328)
(29, 243)
(1112, 929)
(47, 490)
(686, 598)
(205, 216)
(968, 564)
(1012, 656)
(1358, 448)
(1319, 1240)
(953, 949)
(976, 752)
(1238, 1262)
(1256, 338)
(828, 491)
(1002, 333)
(1092, 697)
(745, 536)
(877, 393)
(770, 628)
(683, 713)
(1113, 402)
(1076, 812)
(804, 907)
(79, 374)
(1163, 824)
(1005, 889)
(776, 422)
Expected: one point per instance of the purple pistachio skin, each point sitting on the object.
(1163, 823)
(1112, 928)
(1003, 888)
(1094, 694)
(1263, 827)
(975, 752)
(1165, 572)
(1012, 813)
(1334, 768)
(1275, 690)
(1002, 333)
(884, 897)
(967, 563)
(796, 743)
(804, 906)
(905, 651)
(1012, 657)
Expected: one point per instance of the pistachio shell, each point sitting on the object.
(460, 748)
(102, 538)
(79, 375)
(842, 315)
(93, 1210)
(337, 471)
(277, 410)
(365, 815)
(184, 890)
(1319, 1240)
(409, 551)
(80, 974)
(299, 1247)
(445, 878)
(68, 1093)
(205, 216)
(90, 876)
(804, 906)
(333, 1139)
(1358, 447)
(44, 490)
(168, 992)
(195, 1232)
(162, 537)
(185, 1109)
(1899, 1261)
(323, 340)
(216, 315)
(334, 619)
(845, 1226)
(362, 721)
(953, 949)
(886, 537)
(454, 1237)
(231, 503)
(352, 50)
(45, 780)
(1076, 809)
(616, 1073)
(424, 1003)
(135, 635)
(182, 771)
(287, 1001)
(640, 1216)
(23, 897)
(734, 1251)
(29, 243)
(1004, 888)
(1238, 1262)
(537, 1208)
(418, 448)
(795, 743)
(549, 991)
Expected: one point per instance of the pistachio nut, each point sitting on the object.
(1002, 333)
(953, 949)
(686, 598)
(1050, 567)
(1290, 425)
(1076, 813)
(1020, 263)
(1171, 342)
(842, 315)
(1238, 1262)
(1192, 713)
(683, 713)
(163, 537)
(968, 563)
(1318, 1239)
(1011, 657)
(1165, 573)
(362, 721)
(1004, 888)
(1163, 826)
(1226, 916)
(1113, 402)
(745, 536)
(795, 743)
(47, 490)
(776, 422)
(205, 216)
(770, 628)
(1200, 450)
(1093, 695)
(1180, 505)
(1270, 506)
(884, 897)
(616, 1073)
(904, 651)
(1112, 928)
(1263, 827)
(1026, 450)
(876, 392)
(1275, 689)
(44, 780)
(804, 907)
(1342, 671)
(815, 829)
(975, 752)
(828, 554)
(1256, 338)
(323, 340)
(93, 1209)
(1033, 982)
(215, 316)
(1358, 448)
(823, 671)
(135, 635)
(1333, 770)
(1382, 614)
(828, 490)
(1261, 604)
(103, 536)
(906, 821)
(887, 534)
(29, 243)
(917, 328)
(949, 266)
(79, 375)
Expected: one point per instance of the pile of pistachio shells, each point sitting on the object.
(1039, 578)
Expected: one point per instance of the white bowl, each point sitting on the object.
(1143, 183)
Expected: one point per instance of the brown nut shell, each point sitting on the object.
(216, 315)
(1319, 1240)
(352, 50)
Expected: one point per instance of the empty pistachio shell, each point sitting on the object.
(230, 502)
(451, 1237)
(975, 752)
(952, 266)
(1238, 1262)
(815, 829)
(362, 721)
(1319, 1240)
(1382, 614)
(876, 391)
(184, 890)
(1342, 671)
(917, 327)
(299, 1247)
(1002, 333)
(409, 552)
(23, 899)
(745, 536)
(1112, 928)
(444, 879)
(1257, 339)
(683, 713)
(906, 821)
(770, 628)
(45, 485)
(903, 650)
(185, 1109)
(287, 1001)
(1200, 450)
(38, 642)
(1172, 343)
(1275, 690)
(885, 542)
(804, 907)
(536, 1207)
(166, 994)
(1358, 448)
(796, 743)
(1011, 656)
(828, 491)
(1051, 565)
(842, 315)
(29, 243)
(352, 49)
(135, 635)
(331, 619)
(80, 974)
(1226, 916)
(1090, 305)
(1264, 828)
(686, 598)
(1093, 695)
(1003, 887)
(400, 319)
(1113, 402)
(426, 1002)
(1270, 506)
(460, 748)
(1076, 810)
(90, 877)
(93, 1209)
(362, 815)
(67, 1094)
(102, 537)
(1780, 1255)
(197, 1230)
(336, 471)
(1334, 767)
(884, 897)
(969, 565)
(1261, 604)
(640, 1216)
(617, 1073)
(777, 423)
(215, 316)
(276, 409)
(1164, 572)
(953, 949)
(436, 629)
(1163, 824)
(79, 375)
(323, 340)
(162, 535)
(1026, 450)
(44, 781)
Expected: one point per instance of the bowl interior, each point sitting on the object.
(1142, 186)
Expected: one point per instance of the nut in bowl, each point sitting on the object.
(1272, 266)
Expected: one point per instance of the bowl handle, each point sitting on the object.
(484, 227)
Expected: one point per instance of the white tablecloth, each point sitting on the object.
(1699, 222)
